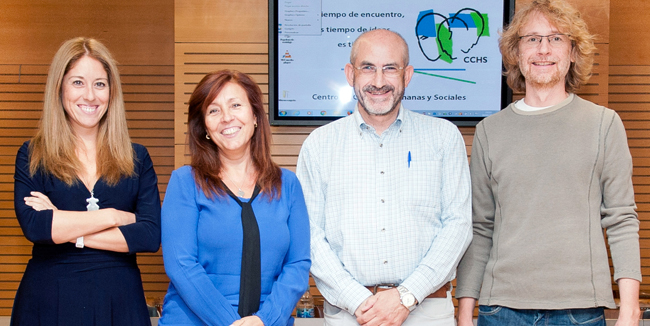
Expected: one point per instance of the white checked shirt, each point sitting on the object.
(394, 208)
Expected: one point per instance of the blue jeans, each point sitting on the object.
(502, 316)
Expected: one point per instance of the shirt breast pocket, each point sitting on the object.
(423, 184)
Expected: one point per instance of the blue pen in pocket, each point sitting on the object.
(409, 160)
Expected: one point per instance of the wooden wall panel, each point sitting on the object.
(139, 34)
(629, 92)
(136, 32)
(629, 95)
(18, 122)
(629, 30)
(229, 21)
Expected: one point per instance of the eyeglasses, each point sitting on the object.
(388, 71)
(554, 40)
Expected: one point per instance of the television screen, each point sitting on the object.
(453, 47)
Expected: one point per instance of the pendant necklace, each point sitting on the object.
(92, 206)
(240, 192)
(92, 202)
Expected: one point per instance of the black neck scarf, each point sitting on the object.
(250, 283)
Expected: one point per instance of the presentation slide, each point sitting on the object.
(453, 48)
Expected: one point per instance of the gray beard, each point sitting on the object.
(395, 105)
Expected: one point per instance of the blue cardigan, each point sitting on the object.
(202, 248)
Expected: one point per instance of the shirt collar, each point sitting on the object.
(363, 126)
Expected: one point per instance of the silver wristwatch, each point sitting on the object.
(406, 298)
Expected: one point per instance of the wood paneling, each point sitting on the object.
(629, 95)
(228, 21)
(630, 30)
(629, 92)
(136, 32)
(597, 15)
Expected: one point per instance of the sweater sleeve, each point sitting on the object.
(293, 280)
(180, 217)
(144, 234)
(618, 215)
(472, 266)
(36, 226)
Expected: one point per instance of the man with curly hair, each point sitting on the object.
(549, 173)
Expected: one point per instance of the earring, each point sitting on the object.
(207, 136)
(255, 124)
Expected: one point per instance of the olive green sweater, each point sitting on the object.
(545, 184)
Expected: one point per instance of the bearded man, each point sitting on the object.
(388, 197)
(549, 173)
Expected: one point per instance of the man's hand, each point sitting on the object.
(629, 313)
(383, 308)
(466, 308)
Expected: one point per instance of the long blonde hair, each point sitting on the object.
(53, 147)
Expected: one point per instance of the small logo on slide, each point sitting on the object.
(286, 58)
(439, 35)
(286, 55)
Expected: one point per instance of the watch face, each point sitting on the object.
(408, 300)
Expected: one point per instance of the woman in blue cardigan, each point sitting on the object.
(235, 230)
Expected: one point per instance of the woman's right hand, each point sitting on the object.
(121, 217)
(39, 202)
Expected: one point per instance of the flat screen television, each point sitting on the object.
(453, 47)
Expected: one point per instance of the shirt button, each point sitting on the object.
(383, 230)
(382, 172)
(382, 201)
(381, 145)
(385, 262)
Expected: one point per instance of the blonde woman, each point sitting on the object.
(86, 197)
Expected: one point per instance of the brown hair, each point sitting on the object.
(53, 147)
(206, 164)
(568, 20)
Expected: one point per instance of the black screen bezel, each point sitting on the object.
(276, 120)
